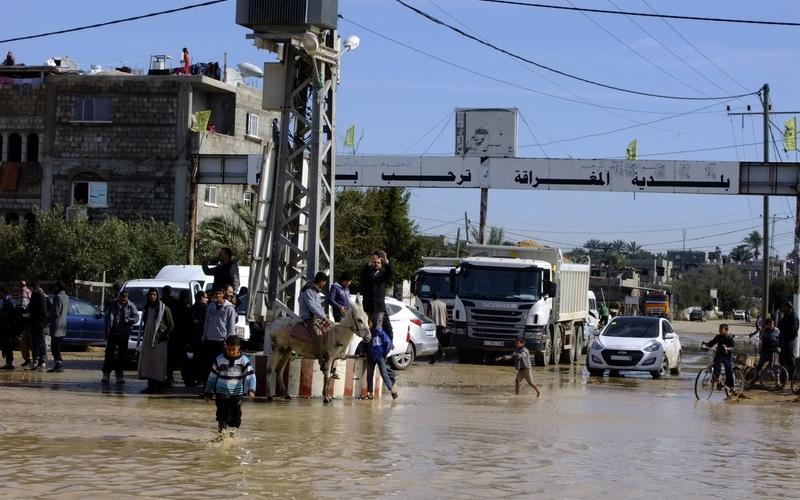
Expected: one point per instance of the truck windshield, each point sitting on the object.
(500, 283)
(429, 283)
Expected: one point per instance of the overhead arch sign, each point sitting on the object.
(540, 174)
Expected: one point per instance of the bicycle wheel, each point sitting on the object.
(749, 378)
(774, 378)
(796, 379)
(738, 380)
(704, 384)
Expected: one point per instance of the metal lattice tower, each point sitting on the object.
(294, 213)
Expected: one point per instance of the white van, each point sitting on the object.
(195, 273)
(137, 294)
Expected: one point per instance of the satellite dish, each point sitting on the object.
(247, 69)
(351, 42)
(64, 62)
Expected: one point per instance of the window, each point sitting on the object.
(92, 109)
(90, 194)
(211, 195)
(252, 125)
(247, 199)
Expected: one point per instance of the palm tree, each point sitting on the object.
(741, 253)
(617, 246)
(632, 248)
(754, 241)
(234, 231)
(594, 245)
(495, 236)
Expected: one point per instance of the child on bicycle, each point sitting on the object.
(723, 354)
(770, 344)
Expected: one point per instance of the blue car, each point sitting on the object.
(85, 324)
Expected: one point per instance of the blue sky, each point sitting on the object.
(395, 96)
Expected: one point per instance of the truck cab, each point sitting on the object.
(498, 300)
(429, 280)
(512, 292)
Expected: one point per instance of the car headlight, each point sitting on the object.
(653, 347)
(597, 346)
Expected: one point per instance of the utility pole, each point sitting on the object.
(484, 209)
(684, 240)
(765, 217)
(765, 267)
(466, 228)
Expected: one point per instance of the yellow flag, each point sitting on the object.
(201, 121)
(350, 136)
(630, 151)
(790, 134)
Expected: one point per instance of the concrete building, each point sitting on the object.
(683, 260)
(119, 144)
(619, 288)
(653, 272)
(754, 270)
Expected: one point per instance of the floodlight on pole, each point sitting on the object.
(351, 43)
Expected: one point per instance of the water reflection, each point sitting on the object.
(602, 437)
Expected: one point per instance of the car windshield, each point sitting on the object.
(428, 284)
(479, 282)
(633, 327)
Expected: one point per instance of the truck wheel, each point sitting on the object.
(542, 358)
(577, 343)
(556, 357)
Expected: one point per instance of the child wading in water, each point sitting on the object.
(522, 361)
(230, 373)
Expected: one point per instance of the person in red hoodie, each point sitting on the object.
(187, 61)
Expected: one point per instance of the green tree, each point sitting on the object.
(13, 255)
(60, 249)
(496, 235)
(233, 230)
(754, 241)
(741, 253)
(632, 249)
(373, 219)
(733, 288)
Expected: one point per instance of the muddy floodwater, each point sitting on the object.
(455, 431)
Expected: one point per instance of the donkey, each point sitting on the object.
(355, 322)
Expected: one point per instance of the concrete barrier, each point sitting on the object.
(303, 378)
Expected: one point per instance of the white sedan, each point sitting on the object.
(636, 343)
(414, 335)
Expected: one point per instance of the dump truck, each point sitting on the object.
(504, 292)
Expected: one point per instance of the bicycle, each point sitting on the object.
(706, 382)
(795, 382)
(774, 377)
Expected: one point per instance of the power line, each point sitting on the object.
(695, 48)
(559, 72)
(620, 129)
(428, 54)
(644, 14)
(641, 56)
(447, 117)
(528, 68)
(116, 21)
(665, 47)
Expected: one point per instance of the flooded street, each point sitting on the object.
(456, 431)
